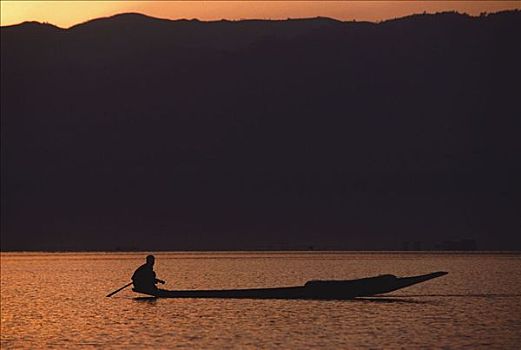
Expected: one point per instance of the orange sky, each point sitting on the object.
(67, 13)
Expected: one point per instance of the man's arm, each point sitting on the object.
(157, 280)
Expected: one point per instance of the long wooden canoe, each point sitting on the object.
(322, 290)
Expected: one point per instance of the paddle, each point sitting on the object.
(118, 290)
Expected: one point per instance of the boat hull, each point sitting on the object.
(318, 290)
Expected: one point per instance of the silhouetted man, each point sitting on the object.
(144, 278)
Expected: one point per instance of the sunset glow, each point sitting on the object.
(68, 13)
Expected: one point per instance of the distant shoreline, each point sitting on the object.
(269, 251)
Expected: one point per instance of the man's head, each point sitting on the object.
(150, 260)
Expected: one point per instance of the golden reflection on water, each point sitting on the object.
(58, 301)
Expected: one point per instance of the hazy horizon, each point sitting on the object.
(66, 14)
(247, 19)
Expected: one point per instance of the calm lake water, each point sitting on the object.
(58, 301)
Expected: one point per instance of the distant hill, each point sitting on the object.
(132, 132)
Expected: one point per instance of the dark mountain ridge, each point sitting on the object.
(136, 132)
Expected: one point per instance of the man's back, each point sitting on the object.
(144, 278)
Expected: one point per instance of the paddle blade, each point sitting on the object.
(118, 290)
